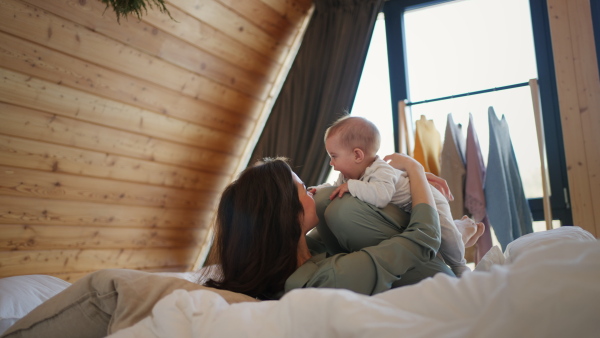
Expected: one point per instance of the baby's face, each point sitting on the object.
(342, 158)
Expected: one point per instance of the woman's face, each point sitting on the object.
(309, 219)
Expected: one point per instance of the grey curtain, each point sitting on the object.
(321, 85)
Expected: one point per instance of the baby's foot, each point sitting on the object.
(469, 230)
(475, 237)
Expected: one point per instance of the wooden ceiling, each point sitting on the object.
(116, 138)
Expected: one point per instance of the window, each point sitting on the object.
(373, 100)
(445, 48)
(465, 46)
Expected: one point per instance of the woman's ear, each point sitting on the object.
(359, 155)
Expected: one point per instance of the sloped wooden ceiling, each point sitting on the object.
(116, 139)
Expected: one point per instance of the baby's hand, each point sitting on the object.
(312, 190)
(339, 191)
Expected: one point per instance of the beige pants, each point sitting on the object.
(102, 303)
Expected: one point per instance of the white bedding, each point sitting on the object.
(21, 294)
(552, 290)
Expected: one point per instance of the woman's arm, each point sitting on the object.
(437, 182)
(373, 269)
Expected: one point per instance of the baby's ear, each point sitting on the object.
(359, 155)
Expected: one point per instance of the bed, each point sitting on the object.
(545, 284)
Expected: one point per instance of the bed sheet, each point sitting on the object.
(548, 291)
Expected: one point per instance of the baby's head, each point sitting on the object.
(352, 143)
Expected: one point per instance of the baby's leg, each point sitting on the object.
(452, 248)
(348, 224)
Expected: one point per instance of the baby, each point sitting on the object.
(352, 144)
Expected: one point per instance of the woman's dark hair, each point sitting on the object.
(257, 230)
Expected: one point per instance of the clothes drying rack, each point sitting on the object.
(407, 133)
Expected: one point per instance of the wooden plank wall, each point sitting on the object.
(117, 139)
(578, 86)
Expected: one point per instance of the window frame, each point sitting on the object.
(393, 11)
(595, 8)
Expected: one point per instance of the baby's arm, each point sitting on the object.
(314, 189)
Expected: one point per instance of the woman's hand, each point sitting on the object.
(441, 185)
(419, 187)
(402, 162)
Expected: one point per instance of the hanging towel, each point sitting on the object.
(507, 207)
(453, 165)
(428, 145)
(474, 195)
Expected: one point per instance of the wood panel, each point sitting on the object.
(20, 210)
(53, 32)
(47, 127)
(116, 139)
(578, 86)
(43, 237)
(50, 185)
(55, 158)
(294, 11)
(151, 35)
(27, 91)
(235, 26)
(59, 68)
(199, 37)
(264, 17)
(14, 263)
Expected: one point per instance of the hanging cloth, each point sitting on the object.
(453, 165)
(507, 207)
(428, 145)
(474, 195)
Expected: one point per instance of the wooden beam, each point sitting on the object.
(579, 100)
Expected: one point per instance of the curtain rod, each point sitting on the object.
(523, 84)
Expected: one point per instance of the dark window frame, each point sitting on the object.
(393, 11)
(595, 8)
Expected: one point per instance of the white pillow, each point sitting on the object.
(530, 242)
(544, 238)
(21, 294)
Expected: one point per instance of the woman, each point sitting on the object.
(262, 221)
(263, 251)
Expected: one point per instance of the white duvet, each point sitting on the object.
(549, 291)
